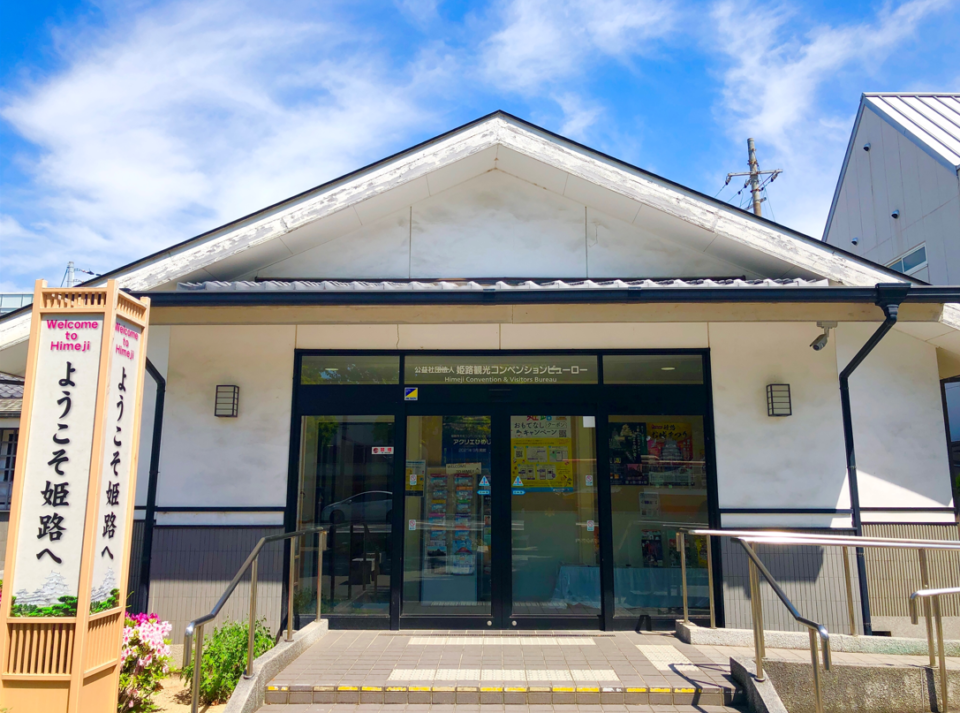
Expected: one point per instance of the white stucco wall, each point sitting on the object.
(794, 462)
(158, 347)
(234, 462)
(498, 225)
(898, 423)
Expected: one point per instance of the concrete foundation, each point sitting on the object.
(860, 689)
(697, 635)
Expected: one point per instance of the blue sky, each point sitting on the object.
(126, 127)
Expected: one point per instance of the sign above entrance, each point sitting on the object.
(519, 370)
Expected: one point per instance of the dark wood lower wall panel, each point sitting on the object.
(893, 575)
(812, 577)
(133, 578)
(191, 566)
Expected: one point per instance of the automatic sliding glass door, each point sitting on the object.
(448, 553)
(555, 531)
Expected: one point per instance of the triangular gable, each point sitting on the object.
(614, 189)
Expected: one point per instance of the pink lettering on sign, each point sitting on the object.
(70, 324)
(127, 332)
(69, 346)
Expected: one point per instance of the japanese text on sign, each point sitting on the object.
(56, 476)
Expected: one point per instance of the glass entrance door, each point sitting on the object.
(448, 486)
(554, 519)
(501, 518)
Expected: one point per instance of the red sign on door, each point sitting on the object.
(382, 450)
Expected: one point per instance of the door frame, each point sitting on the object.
(606, 400)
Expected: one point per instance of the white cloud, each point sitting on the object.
(179, 119)
(772, 92)
(578, 115)
(546, 41)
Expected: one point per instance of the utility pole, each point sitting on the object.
(754, 177)
(70, 280)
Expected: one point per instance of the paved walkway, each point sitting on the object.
(602, 670)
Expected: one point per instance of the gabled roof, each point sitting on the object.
(228, 252)
(932, 121)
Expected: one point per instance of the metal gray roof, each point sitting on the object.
(474, 285)
(932, 119)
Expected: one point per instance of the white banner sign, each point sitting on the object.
(115, 475)
(57, 472)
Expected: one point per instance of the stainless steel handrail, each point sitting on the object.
(780, 537)
(814, 629)
(774, 537)
(194, 629)
(934, 596)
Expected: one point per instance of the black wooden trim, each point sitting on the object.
(951, 523)
(930, 294)
(785, 511)
(146, 551)
(939, 509)
(222, 508)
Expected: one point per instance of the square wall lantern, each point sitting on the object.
(227, 403)
(778, 400)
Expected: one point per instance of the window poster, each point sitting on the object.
(415, 475)
(466, 439)
(628, 446)
(57, 471)
(541, 447)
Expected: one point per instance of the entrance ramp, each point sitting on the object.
(498, 669)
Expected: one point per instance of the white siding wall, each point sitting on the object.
(898, 174)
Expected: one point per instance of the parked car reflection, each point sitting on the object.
(371, 506)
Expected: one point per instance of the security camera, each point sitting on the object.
(895, 214)
(821, 341)
(855, 241)
(866, 146)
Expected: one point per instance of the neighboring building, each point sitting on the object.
(10, 302)
(11, 400)
(898, 198)
(504, 369)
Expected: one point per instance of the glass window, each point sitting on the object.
(336, 369)
(519, 370)
(447, 548)
(652, 369)
(658, 483)
(8, 460)
(555, 530)
(914, 259)
(345, 484)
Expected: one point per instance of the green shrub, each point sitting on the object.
(225, 659)
(66, 607)
(111, 602)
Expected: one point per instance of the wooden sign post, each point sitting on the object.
(68, 547)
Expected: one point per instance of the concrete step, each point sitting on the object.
(691, 695)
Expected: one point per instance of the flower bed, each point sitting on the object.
(146, 661)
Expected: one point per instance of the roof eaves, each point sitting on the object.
(168, 252)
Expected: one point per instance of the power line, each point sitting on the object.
(753, 179)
